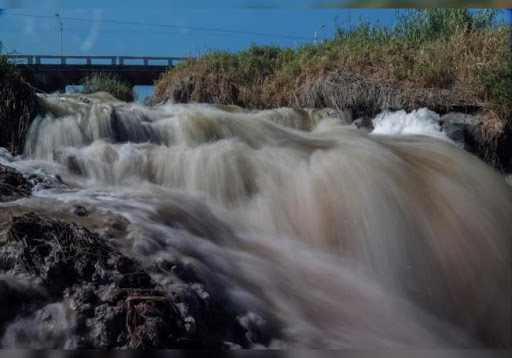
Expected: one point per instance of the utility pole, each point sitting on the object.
(60, 22)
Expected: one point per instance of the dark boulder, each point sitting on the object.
(12, 184)
(104, 299)
(466, 130)
(75, 265)
(80, 210)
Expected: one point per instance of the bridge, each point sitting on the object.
(52, 73)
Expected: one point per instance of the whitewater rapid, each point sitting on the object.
(340, 238)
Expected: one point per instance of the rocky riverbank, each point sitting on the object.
(66, 286)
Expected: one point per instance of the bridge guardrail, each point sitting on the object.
(145, 60)
(114, 60)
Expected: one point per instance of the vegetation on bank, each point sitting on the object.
(17, 107)
(443, 59)
(108, 83)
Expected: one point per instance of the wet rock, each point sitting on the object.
(208, 319)
(364, 124)
(75, 265)
(112, 226)
(253, 324)
(464, 130)
(68, 160)
(80, 210)
(190, 325)
(455, 132)
(12, 184)
(343, 117)
(108, 300)
(42, 180)
(85, 300)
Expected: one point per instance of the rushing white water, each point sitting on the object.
(422, 121)
(347, 239)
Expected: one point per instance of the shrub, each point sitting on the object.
(108, 83)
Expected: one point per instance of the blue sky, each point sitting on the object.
(25, 34)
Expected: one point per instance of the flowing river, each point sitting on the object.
(333, 237)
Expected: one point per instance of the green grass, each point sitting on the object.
(108, 83)
(428, 57)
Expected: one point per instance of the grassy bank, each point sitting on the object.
(17, 107)
(441, 59)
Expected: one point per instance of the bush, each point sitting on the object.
(108, 83)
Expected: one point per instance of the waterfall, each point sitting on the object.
(343, 239)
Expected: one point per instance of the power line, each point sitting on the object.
(166, 26)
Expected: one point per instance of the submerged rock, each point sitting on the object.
(363, 123)
(464, 130)
(80, 210)
(68, 160)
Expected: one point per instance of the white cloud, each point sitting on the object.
(94, 32)
(183, 26)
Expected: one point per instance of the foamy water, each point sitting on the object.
(417, 122)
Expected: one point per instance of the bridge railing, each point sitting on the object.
(88, 60)
(146, 60)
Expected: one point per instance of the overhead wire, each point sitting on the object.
(181, 27)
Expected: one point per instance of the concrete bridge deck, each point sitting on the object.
(52, 73)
